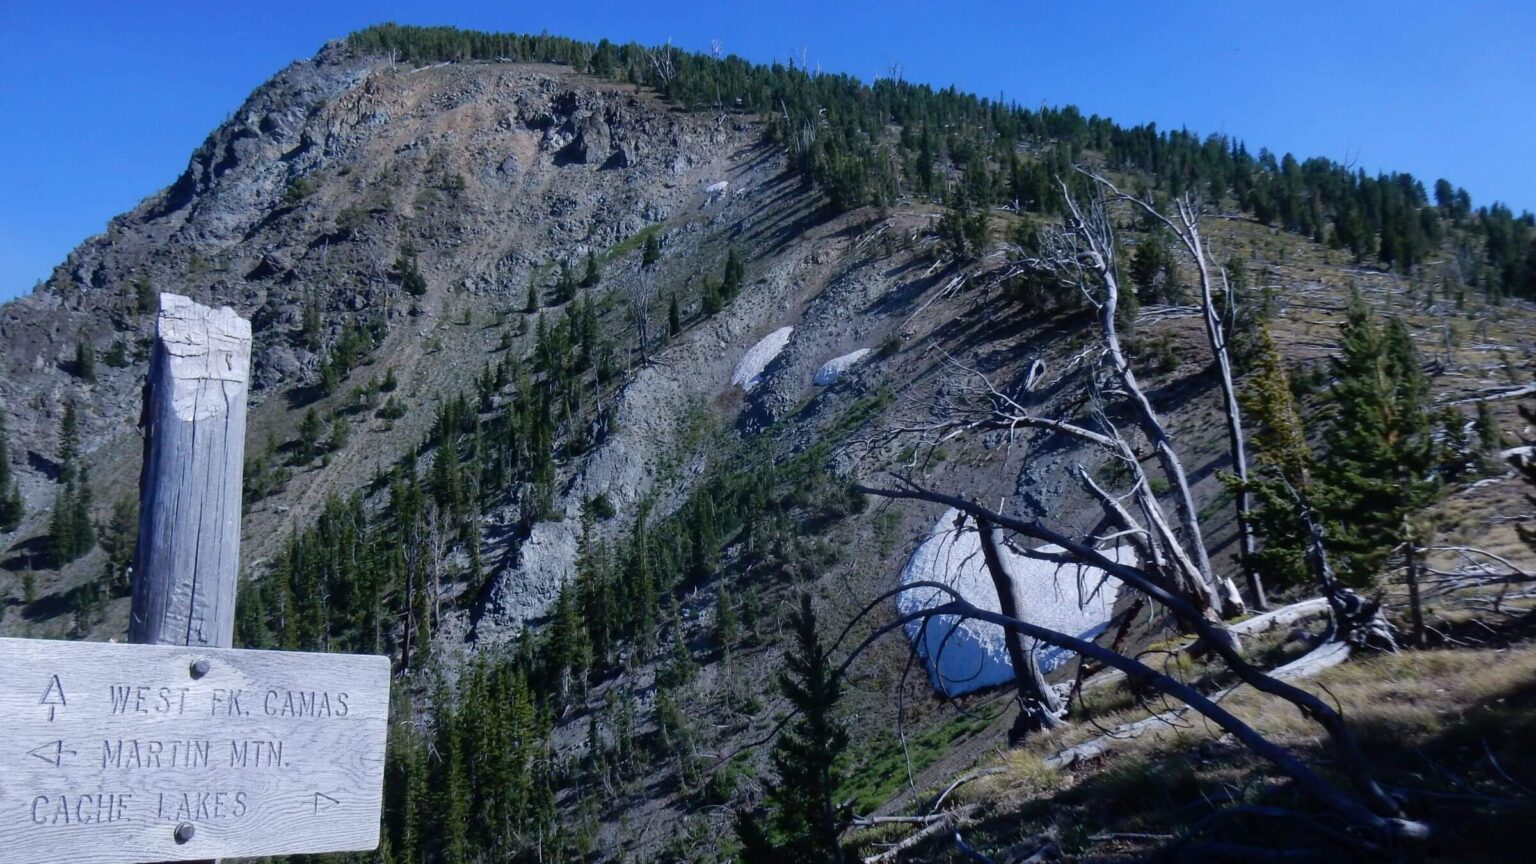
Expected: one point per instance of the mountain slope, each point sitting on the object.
(521, 458)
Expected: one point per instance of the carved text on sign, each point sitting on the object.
(131, 753)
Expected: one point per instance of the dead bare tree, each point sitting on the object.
(640, 294)
(1039, 706)
(1185, 225)
(664, 63)
(1081, 254)
(1371, 811)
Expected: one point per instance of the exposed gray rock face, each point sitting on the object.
(299, 205)
(277, 136)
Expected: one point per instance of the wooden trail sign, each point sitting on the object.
(117, 754)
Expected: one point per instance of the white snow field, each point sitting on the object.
(750, 370)
(833, 369)
(971, 656)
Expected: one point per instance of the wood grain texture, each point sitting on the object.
(106, 748)
(188, 556)
(188, 553)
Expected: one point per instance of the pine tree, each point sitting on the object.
(593, 274)
(652, 252)
(803, 800)
(451, 787)
(85, 362)
(711, 299)
(11, 508)
(674, 316)
(69, 442)
(118, 538)
(1154, 273)
(143, 295)
(570, 652)
(310, 429)
(1380, 453)
(70, 532)
(85, 529)
(735, 274)
(680, 666)
(727, 622)
(408, 271)
(1490, 441)
(565, 288)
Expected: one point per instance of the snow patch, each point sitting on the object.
(749, 371)
(971, 655)
(833, 369)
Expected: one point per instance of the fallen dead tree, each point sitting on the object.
(1373, 812)
(1376, 819)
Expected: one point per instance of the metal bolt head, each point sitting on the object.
(199, 668)
(184, 831)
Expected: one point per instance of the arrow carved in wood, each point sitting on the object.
(53, 753)
(324, 802)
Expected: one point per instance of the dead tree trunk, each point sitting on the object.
(1092, 231)
(1187, 230)
(1039, 706)
(1415, 604)
(1352, 760)
(188, 556)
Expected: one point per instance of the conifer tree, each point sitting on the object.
(531, 305)
(565, 289)
(593, 274)
(727, 622)
(143, 295)
(310, 429)
(652, 251)
(735, 274)
(408, 271)
(69, 442)
(11, 508)
(680, 666)
(803, 801)
(85, 362)
(711, 299)
(70, 532)
(1380, 454)
(1283, 469)
(451, 787)
(1490, 441)
(674, 316)
(1153, 271)
(119, 537)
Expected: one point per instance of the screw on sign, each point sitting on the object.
(179, 748)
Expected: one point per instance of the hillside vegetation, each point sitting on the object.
(499, 286)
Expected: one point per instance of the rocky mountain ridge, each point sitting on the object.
(312, 207)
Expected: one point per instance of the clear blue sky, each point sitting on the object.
(103, 102)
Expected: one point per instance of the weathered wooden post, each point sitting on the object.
(187, 562)
(182, 748)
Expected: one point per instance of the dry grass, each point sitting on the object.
(1452, 731)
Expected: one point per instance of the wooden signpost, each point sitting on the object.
(117, 754)
(178, 748)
